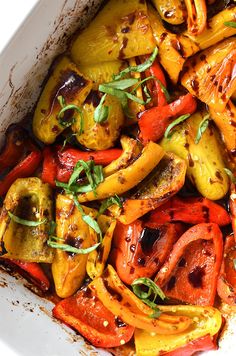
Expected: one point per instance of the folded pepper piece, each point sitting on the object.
(127, 178)
(190, 274)
(123, 303)
(86, 314)
(139, 250)
(29, 199)
(206, 324)
(66, 81)
(226, 287)
(210, 75)
(171, 11)
(197, 16)
(190, 210)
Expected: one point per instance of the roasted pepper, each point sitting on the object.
(23, 169)
(232, 205)
(204, 74)
(86, 314)
(190, 210)
(191, 272)
(164, 182)
(156, 86)
(205, 343)
(139, 250)
(65, 81)
(50, 166)
(204, 160)
(226, 287)
(28, 199)
(122, 302)
(68, 269)
(99, 136)
(205, 321)
(154, 122)
(120, 30)
(173, 48)
(197, 16)
(216, 29)
(171, 11)
(97, 259)
(127, 178)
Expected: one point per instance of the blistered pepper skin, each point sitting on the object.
(66, 81)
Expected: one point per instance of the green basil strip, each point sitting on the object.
(230, 24)
(202, 128)
(26, 222)
(71, 249)
(175, 123)
(122, 84)
(108, 202)
(231, 175)
(139, 68)
(65, 107)
(165, 91)
(101, 112)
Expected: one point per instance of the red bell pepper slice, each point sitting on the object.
(232, 205)
(154, 86)
(23, 169)
(50, 167)
(190, 210)
(154, 122)
(34, 273)
(191, 272)
(205, 343)
(139, 251)
(226, 287)
(86, 314)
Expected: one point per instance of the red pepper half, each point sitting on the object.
(139, 251)
(154, 86)
(86, 314)
(34, 273)
(191, 272)
(154, 122)
(191, 210)
(50, 167)
(226, 287)
(23, 169)
(204, 343)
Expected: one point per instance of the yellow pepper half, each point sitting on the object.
(123, 303)
(69, 270)
(205, 321)
(210, 74)
(120, 30)
(171, 11)
(28, 199)
(66, 81)
(127, 178)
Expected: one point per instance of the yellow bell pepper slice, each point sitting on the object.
(29, 199)
(120, 30)
(127, 178)
(69, 270)
(171, 11)
(66, 81)
(205, 321)
(173, 49)
(206, 73)
(117, 298)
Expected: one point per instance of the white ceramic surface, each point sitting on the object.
(26, 327)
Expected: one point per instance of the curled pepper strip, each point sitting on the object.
(156, 86)
(197, 16)
(122, 302)
(226, 287)
(191, 272)
(192, 210)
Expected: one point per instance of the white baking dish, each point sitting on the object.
(26, 326)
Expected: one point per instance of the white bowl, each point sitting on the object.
(26, 325)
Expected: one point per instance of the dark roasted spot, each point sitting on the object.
(132, 270)
(190, 160)
(163, 36)
(141, 261)
(148, 237)
(119, 322)
(93, 98)
(196, 277)
(125, 29)
(55, 129)
(219, 176)
(171, 283)
(128, 239)
(123, 46)
(182, 262)
(202, 57)
(132, 248)
(194, 84)
(113, 292)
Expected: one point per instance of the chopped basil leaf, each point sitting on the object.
(202, 128)
(234, 262)
(141, 82)
(230, 24)
(122, 84)
(67, 248)
(67, 140)
(174, 123)
(149, 295)
(101, 112)
(165, 91)
(52, 227)
(231, 175)
(67, 123)
(139, 68)
(25, 222)
(108, 202)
